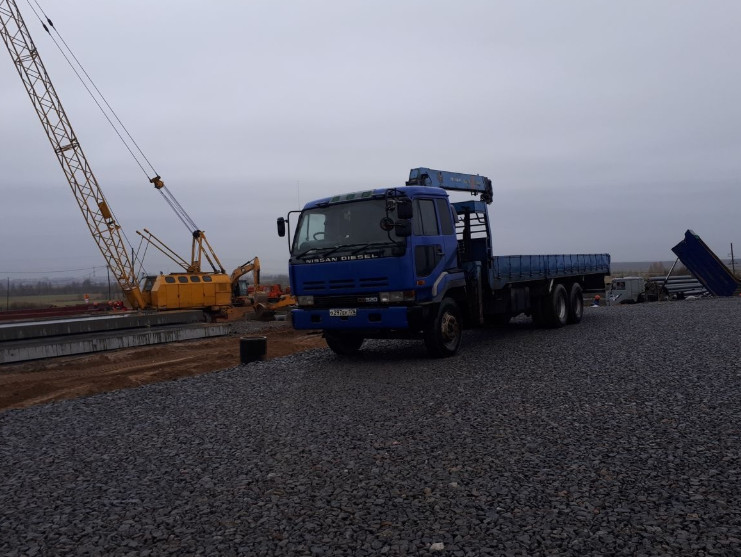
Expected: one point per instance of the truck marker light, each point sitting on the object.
(420, 283)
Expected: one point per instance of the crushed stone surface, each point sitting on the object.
(618, 436)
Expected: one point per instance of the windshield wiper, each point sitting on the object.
(364, 247)
(323, 251)
(328, 250)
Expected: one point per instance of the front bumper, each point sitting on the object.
(370, 318)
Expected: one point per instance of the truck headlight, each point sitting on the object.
(305, 300)
(396, 296)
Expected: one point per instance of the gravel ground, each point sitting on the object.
(620, 436)
(255, 326)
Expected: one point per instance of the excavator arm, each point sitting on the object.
(251, 265)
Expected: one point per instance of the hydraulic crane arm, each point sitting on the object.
(453, 181)
(87, 192)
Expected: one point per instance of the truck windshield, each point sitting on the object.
(344, 226)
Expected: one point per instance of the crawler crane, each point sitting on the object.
(193, 288)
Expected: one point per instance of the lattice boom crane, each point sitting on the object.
(80, 177)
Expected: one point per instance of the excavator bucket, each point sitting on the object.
(264, 312)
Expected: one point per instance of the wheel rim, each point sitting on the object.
(450, 329)
(578, 307)
(562, 310)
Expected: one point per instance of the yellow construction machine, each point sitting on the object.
(212, 291)
(264, 299)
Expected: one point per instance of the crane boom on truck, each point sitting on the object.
(405, 262)
(452, 181)
(192, 289)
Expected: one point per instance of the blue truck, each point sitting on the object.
(406, 262)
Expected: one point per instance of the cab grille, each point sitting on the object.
(319, 286)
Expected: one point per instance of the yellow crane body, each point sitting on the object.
(211, 291)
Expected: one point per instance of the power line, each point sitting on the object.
(52, 272)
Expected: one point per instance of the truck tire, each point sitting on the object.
(576, 304)
(556, 307)
(443, 334)
(344, 344)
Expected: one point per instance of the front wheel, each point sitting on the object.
(443, 334)
(344, 344)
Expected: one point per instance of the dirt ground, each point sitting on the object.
(40, 381)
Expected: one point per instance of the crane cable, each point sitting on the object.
(123, 232)
(159, 185)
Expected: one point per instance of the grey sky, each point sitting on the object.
(605, 126)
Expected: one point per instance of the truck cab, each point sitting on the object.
(360, 261)
(627, 290)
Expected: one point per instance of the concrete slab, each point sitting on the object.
(50, 347)
(11, 331)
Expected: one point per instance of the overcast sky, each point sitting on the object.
(605, 126)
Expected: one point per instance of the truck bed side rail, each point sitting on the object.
(520, 268)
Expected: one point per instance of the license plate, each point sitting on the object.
(351, 312)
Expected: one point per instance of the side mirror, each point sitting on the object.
(387, 224)
(281, 227)
(404, 210)
(403, 228)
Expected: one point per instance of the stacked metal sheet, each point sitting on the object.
(678, 286)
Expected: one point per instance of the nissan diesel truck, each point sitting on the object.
(406, 262)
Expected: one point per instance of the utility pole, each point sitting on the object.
(733, 262)
(7, 296)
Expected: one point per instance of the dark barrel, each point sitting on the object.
(252, 349)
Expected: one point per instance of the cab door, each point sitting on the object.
(435, 245)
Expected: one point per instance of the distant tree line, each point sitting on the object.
(659, 269)
(45, 288)
(86, 286)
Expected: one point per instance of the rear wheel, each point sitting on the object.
(443, 334)
(576, 303)
(344, 344)
(556, 307)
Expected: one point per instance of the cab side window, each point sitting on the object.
(446, 218)
(425, 219)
